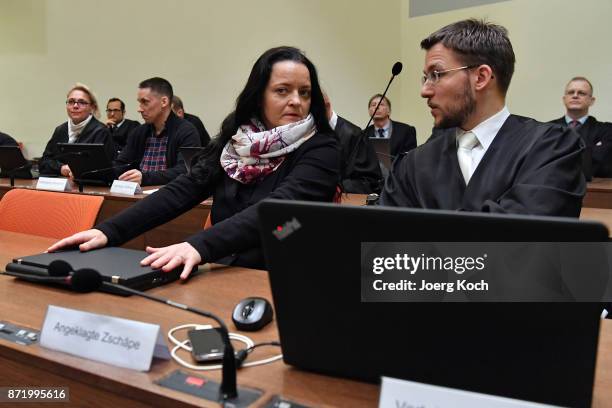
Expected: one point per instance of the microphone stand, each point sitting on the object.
(228, 376)
(81, 181)
(14, 171)
(351, 161)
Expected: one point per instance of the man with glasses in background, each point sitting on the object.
(402, 137)
(597, 136)
(119, 126)
(482, 158)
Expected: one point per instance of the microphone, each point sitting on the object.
(96, 171)
(82, 280)
(89, 280)
(82, 178)
(395, 70)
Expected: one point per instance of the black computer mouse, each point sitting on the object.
(252, 314)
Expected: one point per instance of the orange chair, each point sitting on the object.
(208, 222)
(46, 213)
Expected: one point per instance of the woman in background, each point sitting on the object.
(276, 144)
(81, 127)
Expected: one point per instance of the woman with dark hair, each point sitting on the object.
(276, 144)
(81, 127)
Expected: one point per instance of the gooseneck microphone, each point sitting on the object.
(89, 280)
(395, 70)
(83, 177)
(60, 273)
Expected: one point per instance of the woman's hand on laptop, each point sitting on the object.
(86, 240)
(173, 256)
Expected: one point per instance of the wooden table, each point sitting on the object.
(167, 234)
(599, 193)
(216, 289)
(97, 384)
(603, 215)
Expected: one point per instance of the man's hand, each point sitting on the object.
(65, 170)
(132, 175)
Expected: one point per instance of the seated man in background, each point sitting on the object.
(119, 126)
(81, 127)
(177, 107)
(484, 158)
(359, 167)
(6, 140)
(597, 136)
(402, 136)
(153, 148)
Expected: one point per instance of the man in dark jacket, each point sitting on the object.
(402, 137)
(152, 151)
(177, 107)
(597, 136)
(484, 159)
(119, 126)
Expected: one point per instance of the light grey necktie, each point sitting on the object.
(467, 142)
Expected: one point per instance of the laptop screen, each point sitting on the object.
(542, 352)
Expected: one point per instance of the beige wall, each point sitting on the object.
(205, 48)
(553, 40)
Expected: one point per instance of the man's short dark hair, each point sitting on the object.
(478, 42)
(581, 78)
(177, 103)
(379, 96)
(158, 85)
(116, 100)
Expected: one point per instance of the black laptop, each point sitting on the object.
(116, 265)
(542, 352)
(12, 163)
(89, 163)
(383, 150)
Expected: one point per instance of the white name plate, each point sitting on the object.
(125, 187)
(53, 184)
(111, 340)
(396, 393)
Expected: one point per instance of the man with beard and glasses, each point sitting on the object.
(482, 158)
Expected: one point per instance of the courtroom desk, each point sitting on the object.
(603, 215)
(599, 193)
(170, 233)
(96, 384)
(217, 290)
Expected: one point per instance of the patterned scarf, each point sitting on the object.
(254, 152)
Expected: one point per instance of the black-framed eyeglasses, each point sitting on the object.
(79, 102)
(113, 110)
(434, 76)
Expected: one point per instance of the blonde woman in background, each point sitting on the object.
(81, 127)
